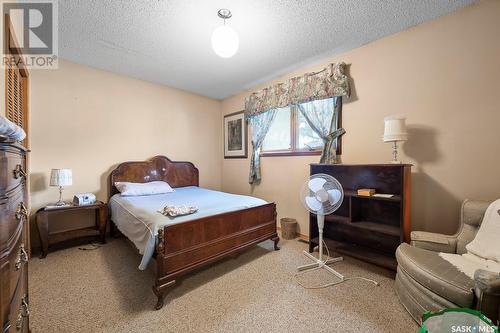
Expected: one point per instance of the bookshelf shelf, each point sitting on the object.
(354, 194)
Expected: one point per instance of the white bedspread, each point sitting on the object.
(138, 217)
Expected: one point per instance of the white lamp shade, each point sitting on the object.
(395, 129)
(61, 177)
(225, 41)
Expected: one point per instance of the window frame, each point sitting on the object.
(294, 110)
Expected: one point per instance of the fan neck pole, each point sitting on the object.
(321, 224)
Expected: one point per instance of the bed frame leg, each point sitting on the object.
(160, 292)
(159, 303)
(276, 241)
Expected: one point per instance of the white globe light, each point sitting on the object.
(225, 41)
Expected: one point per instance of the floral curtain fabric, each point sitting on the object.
(330, 82)
(260, 126)
(323, 117)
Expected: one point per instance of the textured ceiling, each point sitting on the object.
(168, 41)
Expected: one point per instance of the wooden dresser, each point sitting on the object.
(366, 227)
(14, 302)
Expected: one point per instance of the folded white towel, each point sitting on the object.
(10, 130)
(174, 211)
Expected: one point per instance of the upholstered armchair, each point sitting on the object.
(427, 282)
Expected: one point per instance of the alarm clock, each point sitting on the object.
(81, 199)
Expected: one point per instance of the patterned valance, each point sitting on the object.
(327, 83)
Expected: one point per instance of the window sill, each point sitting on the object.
(290, 153)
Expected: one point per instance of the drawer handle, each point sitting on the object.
(19, 172)
(21, 212)
(19, 322)
(22, 257)
(24, 312)
(25, 306)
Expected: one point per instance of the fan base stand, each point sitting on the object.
(322, 264)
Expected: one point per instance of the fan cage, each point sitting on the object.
(330, 184)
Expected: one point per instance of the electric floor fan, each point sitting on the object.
(322, 195)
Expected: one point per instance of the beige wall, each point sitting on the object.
(90, 120)
(443, 75)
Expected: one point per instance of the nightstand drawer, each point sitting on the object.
(13, 212)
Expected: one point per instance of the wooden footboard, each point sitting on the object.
(184, 247)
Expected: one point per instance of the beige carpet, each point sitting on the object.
(103, 291)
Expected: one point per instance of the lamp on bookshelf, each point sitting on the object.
(395, 131)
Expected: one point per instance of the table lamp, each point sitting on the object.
(395, 131)
(61, 178)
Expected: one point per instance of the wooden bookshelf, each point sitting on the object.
(367, 227)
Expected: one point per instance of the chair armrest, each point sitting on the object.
(434, 242)
(487, 289)
(487, 281)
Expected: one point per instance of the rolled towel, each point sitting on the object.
(174, 211)
(10, 130)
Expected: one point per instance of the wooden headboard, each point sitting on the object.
(176, 174)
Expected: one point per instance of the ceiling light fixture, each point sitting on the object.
(225, 40)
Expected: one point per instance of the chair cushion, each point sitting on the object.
(436, 274)
(417, 299)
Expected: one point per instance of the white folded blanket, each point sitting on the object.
(10, 130)
(484, 250)
(468, 263)
(181, 210)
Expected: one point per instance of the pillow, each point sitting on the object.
(134, 189)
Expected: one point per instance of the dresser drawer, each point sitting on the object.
(12, 168)
(17, 261)
(13, 212)
(18, 317)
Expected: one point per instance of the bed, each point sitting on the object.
(224, 225)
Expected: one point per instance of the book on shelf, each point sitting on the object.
(368, 192)
(385, 196)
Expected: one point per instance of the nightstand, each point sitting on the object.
(47, 239)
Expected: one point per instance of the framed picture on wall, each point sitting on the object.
(235, 135)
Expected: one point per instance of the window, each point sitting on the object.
(279, 137)
(291, 134)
